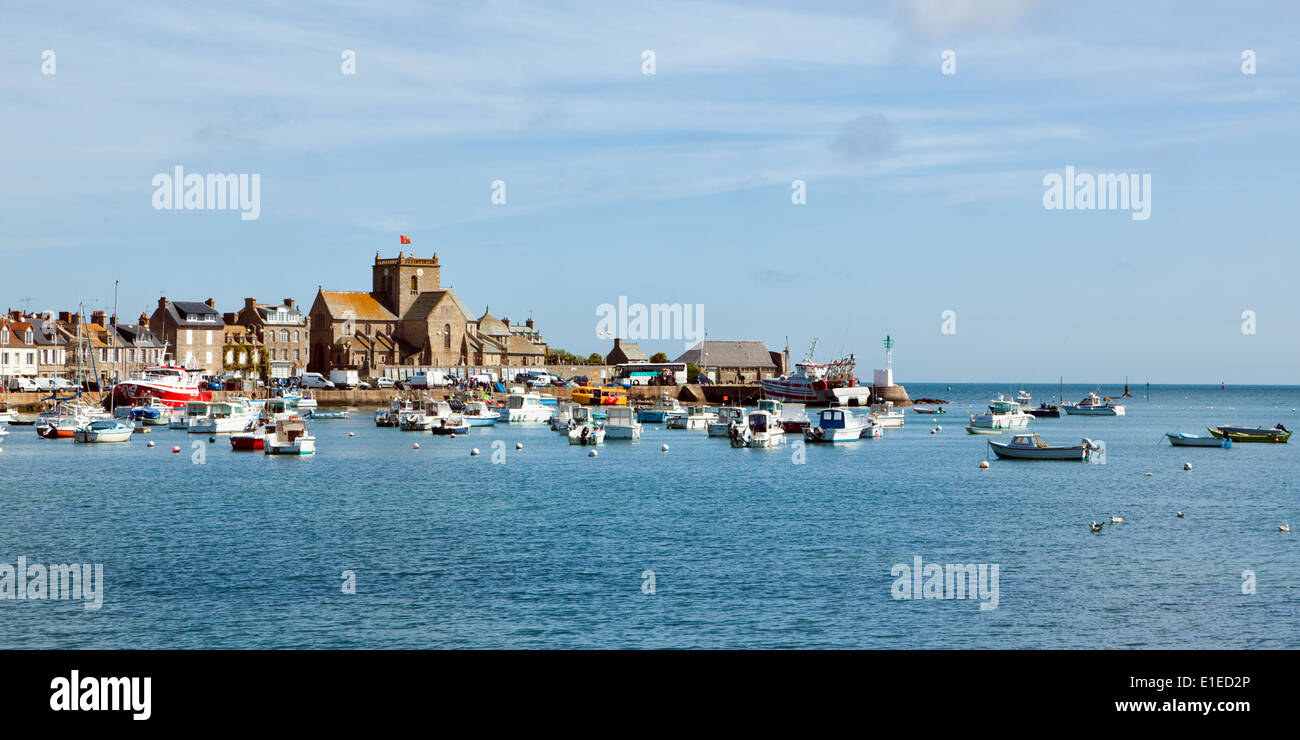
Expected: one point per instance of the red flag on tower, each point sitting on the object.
(405, 239)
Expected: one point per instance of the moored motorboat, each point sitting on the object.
(761, 428)
(1277, 435)
(794, 418)
(290, 438)
(1093, 405)
(621, 423)
(657, 412)
(1003, 413)
(223, 418)
(727, 415)
(452, 423)
(835, 425)
(693, 417)
(886, 415)
(1045, 411)
(924, 410)
(315, 414)
(104, 430)
(1178, 439)
(982, 430)
(587, 434)
(478, 414)
(525, 408)
(1032, 447)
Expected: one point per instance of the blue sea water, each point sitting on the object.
(550, 548)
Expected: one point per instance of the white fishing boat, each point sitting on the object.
(692, 417)
(587, 434)
(525, 408)
(1003, 413)
(62, 421)
(478, 414)
(1032, 447)
(887, 416)
(761, 428)
(834, 425)
(872, 430)
(621, 423)
(223, 418)
(727, 415)
(1093, 405)
(7, 413)
(105, 430)
(1023, 397)
(290, 438)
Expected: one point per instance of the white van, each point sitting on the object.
(24, 385)
(315, 380)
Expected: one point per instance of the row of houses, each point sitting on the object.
(406, 320)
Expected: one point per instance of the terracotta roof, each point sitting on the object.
(18, 332)
(356, 305)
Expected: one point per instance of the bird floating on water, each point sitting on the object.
(1180, 515)
(1116, 519)
(1284, 528)
(1096, 527)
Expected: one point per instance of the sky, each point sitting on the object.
(924, 191)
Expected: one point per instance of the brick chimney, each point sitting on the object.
(229, 318)
(143, 320)
(97, 317)
(250, 305)
(162, 302)
(211, 303)
(65, 317)
(529, 323)
(288, 302)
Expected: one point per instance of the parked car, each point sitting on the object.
(24, 385)
(580, 380)
(703, 380)
(363, 385)
(315, 380)
(384, 383)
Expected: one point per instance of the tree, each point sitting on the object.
(595, 359)
(659, 357)
(693, 371)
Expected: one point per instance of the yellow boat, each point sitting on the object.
(590, 396)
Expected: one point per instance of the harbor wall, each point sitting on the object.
(729, 394)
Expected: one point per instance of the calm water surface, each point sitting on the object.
(748, 549)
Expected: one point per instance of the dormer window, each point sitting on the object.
(27, 339)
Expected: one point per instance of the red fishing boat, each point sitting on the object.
(171, 385)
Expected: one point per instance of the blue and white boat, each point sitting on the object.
(834, 425)
(658, 412)
(477, 414)
(1178, 439)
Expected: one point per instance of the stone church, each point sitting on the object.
(408, 320)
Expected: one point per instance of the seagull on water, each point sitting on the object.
(1180, 515)
(1116, 519)
(1096, 527)
(1284, 528)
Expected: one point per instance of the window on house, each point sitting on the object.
(415, 285)
(446, 336)
(31, 358)
(295, 336)
(284, 335)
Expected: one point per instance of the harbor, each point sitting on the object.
(534, 542)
